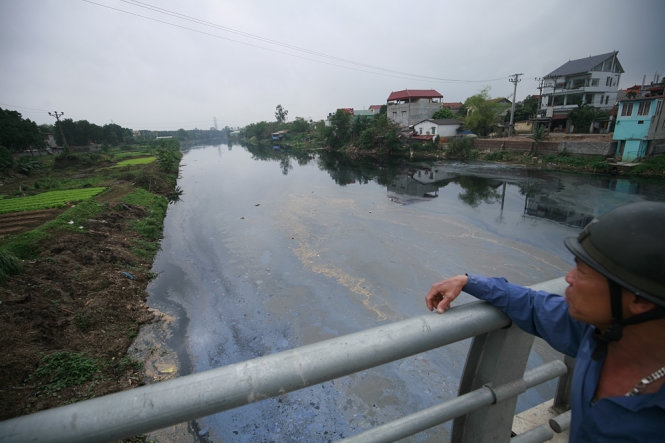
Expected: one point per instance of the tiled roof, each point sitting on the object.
(583, 65)
(414, 93)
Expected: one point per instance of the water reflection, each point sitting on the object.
(567, 198)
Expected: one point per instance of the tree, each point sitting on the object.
(18, 134)
(482, 114)
(340, 129)
(300, 125)
(444, 113)
(582, 117)
(525, 110)
(381, 133)
(280, 114)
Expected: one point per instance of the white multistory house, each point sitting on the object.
(592, 81)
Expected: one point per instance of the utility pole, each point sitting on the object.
(515, 79)
(57, 116)
(540, 81)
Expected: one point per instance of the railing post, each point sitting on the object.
(562, 395)
(495, 358)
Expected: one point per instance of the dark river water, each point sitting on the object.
(268, 251)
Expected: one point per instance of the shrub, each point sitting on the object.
(461, 148)
(6, 159)
(9, 264)
(61, 369)
(26, 165)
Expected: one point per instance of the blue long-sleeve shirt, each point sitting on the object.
(640, 418)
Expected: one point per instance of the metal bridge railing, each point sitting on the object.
(493, 377)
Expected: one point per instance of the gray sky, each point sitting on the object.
(173, 64)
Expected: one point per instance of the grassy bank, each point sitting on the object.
(75, 273)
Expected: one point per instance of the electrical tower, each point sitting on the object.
(515, 79)
(57, 116)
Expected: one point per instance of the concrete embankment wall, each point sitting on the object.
(580, 147)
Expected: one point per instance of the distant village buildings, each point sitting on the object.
(635, 115)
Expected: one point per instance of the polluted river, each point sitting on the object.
(268, 250)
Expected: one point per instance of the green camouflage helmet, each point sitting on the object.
(627, 245)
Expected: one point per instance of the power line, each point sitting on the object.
(348, 64)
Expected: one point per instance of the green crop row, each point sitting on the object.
(47, 200)
(135, 161)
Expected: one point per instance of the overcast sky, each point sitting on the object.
(173, 64)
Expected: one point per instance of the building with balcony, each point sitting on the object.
(592, 81)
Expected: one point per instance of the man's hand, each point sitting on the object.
(444, 292)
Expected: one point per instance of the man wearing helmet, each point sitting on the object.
(612, 320)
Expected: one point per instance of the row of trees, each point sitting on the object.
(367, 133)
(82, 132)
(18, 134)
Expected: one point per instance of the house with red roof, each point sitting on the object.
(410, 106)
(456, 107)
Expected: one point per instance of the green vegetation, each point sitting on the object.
(582, 117)
(651, 166)
(9, 264)
(60, 370)
(461, 148)
(46, 200)
(591, 163)
(16, 133)
(135, 161)
(525, 110)
(444, 113)
(151, 226)
(483, 113)
(27, 245)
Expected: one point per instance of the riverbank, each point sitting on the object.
(69, 317)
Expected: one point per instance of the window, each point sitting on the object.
(594, 82)
(578, 83)
(433, 130)
(627, 109)
(574, 99)
(420, 130)
(608, 82)
(644, 108)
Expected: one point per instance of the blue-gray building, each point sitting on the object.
(640, 125)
